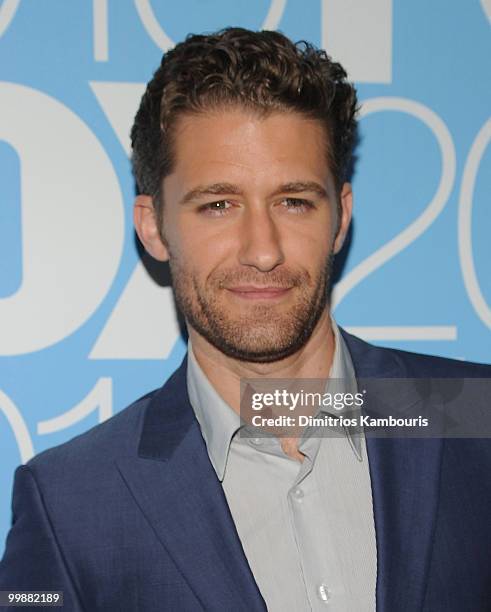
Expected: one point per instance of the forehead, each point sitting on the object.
(238, 144)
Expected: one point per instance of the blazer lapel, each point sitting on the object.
(176, 488)
(405, 476)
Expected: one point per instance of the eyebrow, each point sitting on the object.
(231, 189)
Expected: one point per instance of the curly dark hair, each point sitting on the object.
(262, 71)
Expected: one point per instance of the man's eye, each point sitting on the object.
(215, 208)
(297, 205)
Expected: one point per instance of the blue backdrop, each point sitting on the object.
(83, 328)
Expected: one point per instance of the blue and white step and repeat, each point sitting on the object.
(84, 330)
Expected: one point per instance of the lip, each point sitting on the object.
(251, 292)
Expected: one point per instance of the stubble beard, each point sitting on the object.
(267, 332)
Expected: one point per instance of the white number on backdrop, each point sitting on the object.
(152, 25)
(465, 224)
(163, 40)
(486, 7)
(7, 13)
(99, 399)
(72, 221)
(18, 426)
(419, 225)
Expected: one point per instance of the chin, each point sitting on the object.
(260, 344)
(257, 354)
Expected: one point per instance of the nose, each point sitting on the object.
(260, 240)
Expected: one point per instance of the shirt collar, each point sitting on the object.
(219, 422)
(342, 378)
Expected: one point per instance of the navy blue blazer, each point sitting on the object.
(130, 515)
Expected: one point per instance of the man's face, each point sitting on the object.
(250, 221)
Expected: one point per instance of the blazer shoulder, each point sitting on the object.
(104, 442)
(91, 456)
(372, 360)
(419, 364)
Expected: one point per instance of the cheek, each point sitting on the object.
(310, 246)
(309, 258)
(200, 250)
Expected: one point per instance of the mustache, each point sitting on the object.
(275, 278)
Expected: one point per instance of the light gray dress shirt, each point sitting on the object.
(306, 528)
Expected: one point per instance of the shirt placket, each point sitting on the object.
(322, 584)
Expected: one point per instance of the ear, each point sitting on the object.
(346, 198)
(146, 227)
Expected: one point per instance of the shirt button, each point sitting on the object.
(256, 441)
(297, 494)
(324, 594)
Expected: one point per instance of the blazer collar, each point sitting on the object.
(168, 418)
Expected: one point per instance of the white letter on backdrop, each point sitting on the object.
(143, 324)
(72, 221)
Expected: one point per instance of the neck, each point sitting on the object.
(313, 360)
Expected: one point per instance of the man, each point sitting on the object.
(241, 149)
